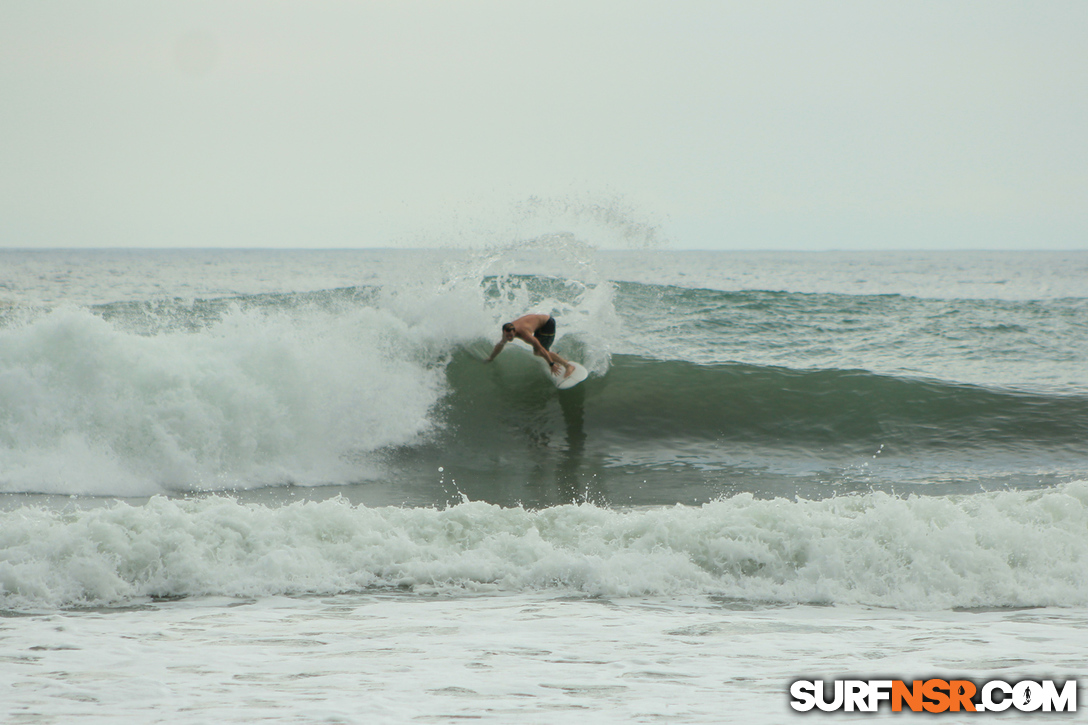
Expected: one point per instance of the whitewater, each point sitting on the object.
(282, 486)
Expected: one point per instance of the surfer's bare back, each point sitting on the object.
(539, 332)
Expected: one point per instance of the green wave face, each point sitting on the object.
(641, 399)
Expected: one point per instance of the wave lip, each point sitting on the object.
(1000, 549)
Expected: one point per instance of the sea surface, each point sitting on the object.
(284, 487)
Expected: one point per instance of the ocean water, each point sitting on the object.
(282, 486)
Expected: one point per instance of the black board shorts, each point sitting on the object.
(546, 333)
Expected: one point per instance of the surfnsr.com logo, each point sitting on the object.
(934, 695)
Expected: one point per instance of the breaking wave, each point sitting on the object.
(1001, 549)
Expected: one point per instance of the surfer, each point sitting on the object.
(539, 332)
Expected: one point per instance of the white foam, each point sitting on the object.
(537, 658)
(996, 549)
(304, 392)
(582, 300)
(255, 399)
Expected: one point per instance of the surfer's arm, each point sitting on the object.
(539, 351)
(496, 351)
(551, 357)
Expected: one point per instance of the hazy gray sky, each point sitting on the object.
(750, 125)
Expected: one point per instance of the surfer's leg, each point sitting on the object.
(555, 356)
(546, 333)
(566, 363)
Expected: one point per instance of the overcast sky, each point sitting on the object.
(749, 125)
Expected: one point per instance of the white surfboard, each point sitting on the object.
(579, 374)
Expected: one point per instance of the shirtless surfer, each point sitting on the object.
(539, 332)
